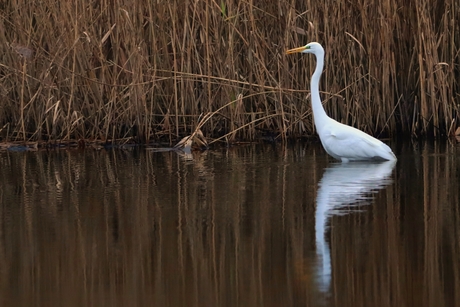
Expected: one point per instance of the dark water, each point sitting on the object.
(249, 226)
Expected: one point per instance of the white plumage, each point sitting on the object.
(342, 142)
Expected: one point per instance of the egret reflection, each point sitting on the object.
(343, 187)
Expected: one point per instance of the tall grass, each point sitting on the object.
(146, 70)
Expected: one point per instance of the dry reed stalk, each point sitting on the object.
(390, 67)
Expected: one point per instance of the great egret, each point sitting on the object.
(342, 142)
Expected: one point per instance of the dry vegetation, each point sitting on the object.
(146, 70)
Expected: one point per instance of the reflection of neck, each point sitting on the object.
(322, 247)
(340, 186)
(319, 114)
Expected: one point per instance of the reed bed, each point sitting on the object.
(147, 70)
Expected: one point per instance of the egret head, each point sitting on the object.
(313, 47)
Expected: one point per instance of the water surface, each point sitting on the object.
(254, 225)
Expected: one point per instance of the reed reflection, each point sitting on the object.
(342, 189)
(233, 227)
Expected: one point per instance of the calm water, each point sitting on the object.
(247, 226)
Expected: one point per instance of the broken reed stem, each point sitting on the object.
(72, 82)
(147, 71)
(22, 134)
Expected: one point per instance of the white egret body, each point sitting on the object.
(342, 142)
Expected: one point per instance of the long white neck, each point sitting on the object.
(319, 114)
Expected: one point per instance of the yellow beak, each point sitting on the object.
(295, 50)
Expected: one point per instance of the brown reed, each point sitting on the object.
(146, 70)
